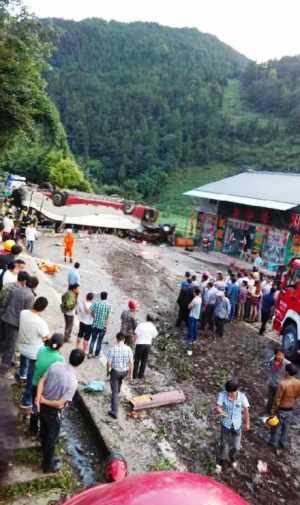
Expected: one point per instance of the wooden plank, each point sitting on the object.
(157, 400)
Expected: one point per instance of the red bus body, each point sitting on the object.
(160, 488)
(73, 199)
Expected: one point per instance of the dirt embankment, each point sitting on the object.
(192, 428)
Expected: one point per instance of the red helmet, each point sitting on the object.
(133, 305)
(115, 468)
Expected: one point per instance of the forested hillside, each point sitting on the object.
(138, 100)
(142, 105)
(274, 88)
(32, 138)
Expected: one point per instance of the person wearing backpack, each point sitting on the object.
(68, 308)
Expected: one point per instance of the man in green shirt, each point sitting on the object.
(100, 311)
(47, 356)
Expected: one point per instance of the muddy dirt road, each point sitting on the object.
(151, 275)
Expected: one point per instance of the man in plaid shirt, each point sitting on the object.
(119, 366)
(100, 311)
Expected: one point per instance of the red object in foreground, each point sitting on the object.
(160, 488)
(115, 468)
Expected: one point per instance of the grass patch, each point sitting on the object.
(235, 110)
(175, 208)
(162, 465)
(64, 480)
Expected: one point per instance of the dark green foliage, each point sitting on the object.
(139, 99)
(275, 88)
(32, 138)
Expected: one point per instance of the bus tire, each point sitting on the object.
(128, 207)
(151, 215)
(59, 198)
(290, 342)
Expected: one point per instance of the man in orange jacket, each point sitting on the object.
(69, 240)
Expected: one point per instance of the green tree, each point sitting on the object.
(32, 138)
(66, 174)
(23, 53)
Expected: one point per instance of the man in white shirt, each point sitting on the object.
(194, 316)
(33, 331)
(31, 235)
(8, 226)
(85, 322)
(145, 333)
(11, 274)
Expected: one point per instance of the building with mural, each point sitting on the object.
(252, 211)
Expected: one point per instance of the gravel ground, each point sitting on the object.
(152, 275)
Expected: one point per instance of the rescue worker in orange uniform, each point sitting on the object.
(69, 240)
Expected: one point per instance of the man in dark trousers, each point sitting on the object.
(68, 308)
(100, 311)
(21, 298)
(22, 279)
(184, 299)
(55, 389)
(268, 303)
(119, 366)
(145, 333)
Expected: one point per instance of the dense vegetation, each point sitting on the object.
(140, 103)
(32, 137)
(138, 100)
(274, 88)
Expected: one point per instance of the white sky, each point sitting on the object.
(260, 29)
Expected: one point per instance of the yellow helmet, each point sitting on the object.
(8, 244)
(272, 421)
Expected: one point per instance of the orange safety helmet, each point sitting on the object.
(272, 421)
(8, 244)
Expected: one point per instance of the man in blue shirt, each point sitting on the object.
(233, 296)
(268, 303)
(74, 275)
(232, 406)
(186, 281)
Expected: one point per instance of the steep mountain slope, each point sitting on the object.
(141, 102)
(139, 99)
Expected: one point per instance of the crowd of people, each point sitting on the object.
(207, 304)
(27, 346)
(50, 382)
